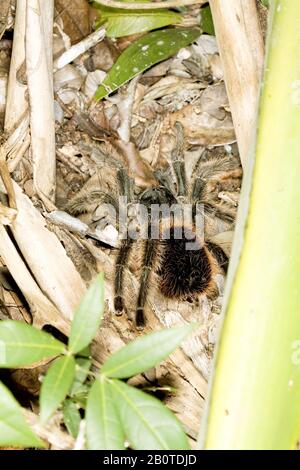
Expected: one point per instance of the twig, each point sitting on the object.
(150, 5)
(18, 139)
(16, 114)
(61, 282)
(241, 49)
(7, 214)
(125, 106)
(51, 433)
(42, 309)
(42, 123)
(7, 181)
(79, 48)
(16, 103)
(47, 19)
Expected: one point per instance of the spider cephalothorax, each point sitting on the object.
(180, 259)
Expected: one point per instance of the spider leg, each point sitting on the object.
(103, 154)
(125, 184)
(219, 254)
(93, 192)
(149, 256)
(121, 262)
(107, 157)
(218, 212)
(178, 163)
(86, 200)
(167, 184)
(202, 175)
(207, 170)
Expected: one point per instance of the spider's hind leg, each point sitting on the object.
(219, 255)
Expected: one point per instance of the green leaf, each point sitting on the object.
(81, 395)
(143, 54)
(22, 344)
(55, 386)
(121, 22)
(84, 353)
(206, 21)
(81, 372)
(88, 316)
(104, 431)
(71, 417)
(147, 423)
(14, 431)
(145, 352)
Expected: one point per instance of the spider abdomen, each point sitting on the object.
(184, 272)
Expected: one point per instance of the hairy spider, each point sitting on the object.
(179, 259)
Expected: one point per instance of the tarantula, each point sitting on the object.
(165, 259)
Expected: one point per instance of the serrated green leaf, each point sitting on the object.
(145, 352)
(71, 417)
(82, 368)
(88, 316)
(121, 22)
(22, 344)
(143, 54)
(55, 386)
(103, 428)
(206, 21)
(147, 423)
(14, 431)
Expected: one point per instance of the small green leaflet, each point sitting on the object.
(145, 352)
(206, 21)
(88, 316)
(103, 428)
(55, 386)
(81, 372)
(121, 22)
(22, 344)
(147, 423)
(71, 417)
(14, 431)
(81, 394)
(143, 54)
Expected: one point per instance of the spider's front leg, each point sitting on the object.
(178, 163)
(121, 263)
(207, 170)
(125, 184)
(148, 261)
(217, 217)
